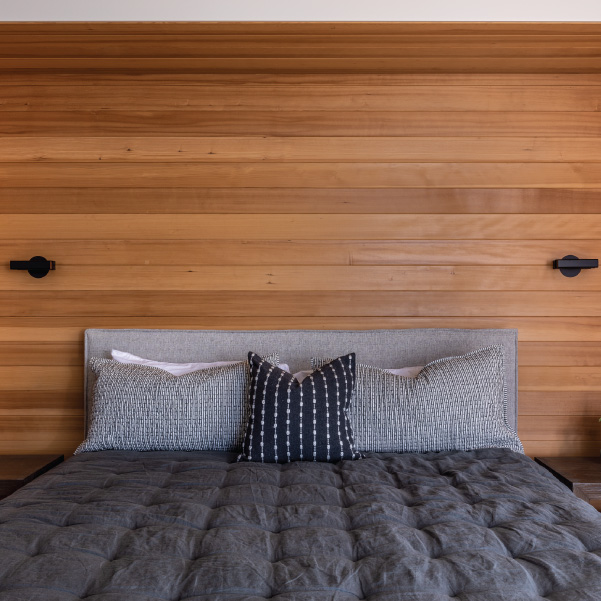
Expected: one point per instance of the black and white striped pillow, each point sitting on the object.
(299, 421)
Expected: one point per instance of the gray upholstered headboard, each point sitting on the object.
(383, 348)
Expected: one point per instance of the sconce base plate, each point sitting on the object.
(570, 272)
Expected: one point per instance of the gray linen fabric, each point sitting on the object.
(486, 525)
(454, 403)
(143, 408)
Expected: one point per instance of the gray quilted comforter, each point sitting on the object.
(486, 525)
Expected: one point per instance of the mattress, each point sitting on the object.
(485, 525)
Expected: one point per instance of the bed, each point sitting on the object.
(481, 525)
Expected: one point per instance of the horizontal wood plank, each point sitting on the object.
(562, 447)
(35, 377)
(300, 123)
(16, 149)
(299, 200)
(560, 354)
(70, 329)
(303, 227)
(555, 378)
(309, 277)
(40, 354)
(197, 51)
(45, 428)
(560, 402)
(33, 446)
(303, 175)
(559, 427)
(350, 64)
(35, 77)
(371, 303)
(41, 402)
(268, 97)
(317, 45)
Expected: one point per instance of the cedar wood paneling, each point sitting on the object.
(319, 175)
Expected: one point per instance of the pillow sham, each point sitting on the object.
(455, 403)
(299, 421)
(177, 369)
(141, 408)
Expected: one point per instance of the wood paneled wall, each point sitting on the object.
(300, 176)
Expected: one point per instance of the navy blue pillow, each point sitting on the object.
(299, 421)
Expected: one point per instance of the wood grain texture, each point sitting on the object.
(242, 252)
(304, 123)
(37, 77)
(45, 402)
(585, 354)
(567, 428)
(308, 277)
(316, 45)
(284, 150)
(302, 226)
(563, 402)
(33, 377)
(32, 447)
(41, 354)
(563, 447)
(313, 98)
(299, 303)
(300, 175)
(554, 378)
(307, 174)
(48, 428)
(347, 64)
(117, 201)
(71, 329)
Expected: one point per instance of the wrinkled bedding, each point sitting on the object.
(486, 525)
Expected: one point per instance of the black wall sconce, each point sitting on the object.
(571, 265)
(38, 267)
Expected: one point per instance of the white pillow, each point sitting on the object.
(301, 375)
(406, 372)
(176, 369)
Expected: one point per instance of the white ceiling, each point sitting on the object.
(300, 10)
